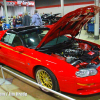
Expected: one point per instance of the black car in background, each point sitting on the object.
(49, 19)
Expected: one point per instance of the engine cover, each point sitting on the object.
(89, 55)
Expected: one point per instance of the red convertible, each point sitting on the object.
(52, 57)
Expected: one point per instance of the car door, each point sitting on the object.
(10, 56)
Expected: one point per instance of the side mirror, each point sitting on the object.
(19, 49)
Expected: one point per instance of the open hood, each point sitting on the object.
(70, 23)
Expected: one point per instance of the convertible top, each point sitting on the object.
(26, 29)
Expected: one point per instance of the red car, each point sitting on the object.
(52, 57)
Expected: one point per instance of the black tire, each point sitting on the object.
(46, 78)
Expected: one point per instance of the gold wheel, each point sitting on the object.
(44, 79)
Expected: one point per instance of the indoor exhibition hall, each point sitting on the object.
(49, 49)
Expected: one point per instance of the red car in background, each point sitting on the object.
(55, 60)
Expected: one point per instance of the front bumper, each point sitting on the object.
(81, 86)
(87, 90)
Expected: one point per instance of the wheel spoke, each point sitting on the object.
(44, 79)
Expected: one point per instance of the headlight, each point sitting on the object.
(86, 72)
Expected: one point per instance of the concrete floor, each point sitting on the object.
(87, 36)
(19, 85)
(34, 93)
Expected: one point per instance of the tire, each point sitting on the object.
(46, 78)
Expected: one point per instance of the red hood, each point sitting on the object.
(70, 23)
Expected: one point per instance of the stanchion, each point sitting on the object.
(3, 80)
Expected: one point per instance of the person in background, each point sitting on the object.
(36, 19)
(18, 22)
(50, 13)
(14, 21)
(22, 20)
(26, 20)
(0, 25)
(11, 22)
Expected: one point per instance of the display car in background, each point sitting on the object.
(49, 19)
(53, 56)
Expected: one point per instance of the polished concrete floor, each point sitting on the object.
(32, 92)
(88, 36)
(21, 86)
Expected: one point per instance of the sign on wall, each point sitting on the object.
(18, 3)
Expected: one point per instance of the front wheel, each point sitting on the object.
(46, 78)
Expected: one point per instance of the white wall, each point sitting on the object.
(71, 8)
(15, 10)
(48, 10)
(58, 9)
(30, 10)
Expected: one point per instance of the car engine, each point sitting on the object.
(80, 55)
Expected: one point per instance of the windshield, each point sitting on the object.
(32, 38)
(58, 40)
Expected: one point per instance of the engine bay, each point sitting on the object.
(80, 54)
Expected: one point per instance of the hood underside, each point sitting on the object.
(70, 23)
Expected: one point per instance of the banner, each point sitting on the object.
(18, 3)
